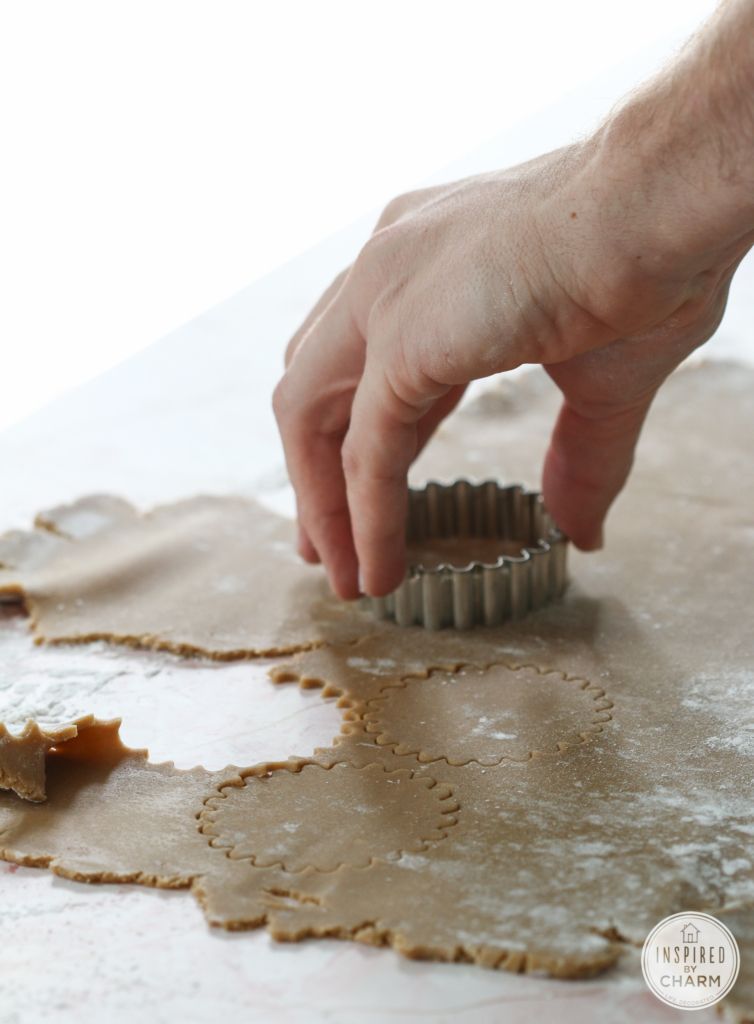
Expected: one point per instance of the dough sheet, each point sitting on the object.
(362, 815)
(559, 784)
(218, 577)
(112, 816)
(487, 715)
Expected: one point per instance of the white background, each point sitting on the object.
(158, 156)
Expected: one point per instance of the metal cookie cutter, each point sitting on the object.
(479, 592)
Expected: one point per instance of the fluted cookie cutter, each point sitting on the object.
(479, 592)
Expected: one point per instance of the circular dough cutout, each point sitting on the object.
(486, 715)
(322, 818)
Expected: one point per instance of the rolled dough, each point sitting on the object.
(578, 827)
(112, 816)
(218, 577)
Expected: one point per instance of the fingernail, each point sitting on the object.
(361, 581)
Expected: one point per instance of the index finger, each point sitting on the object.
(312, 404)
(383, 439)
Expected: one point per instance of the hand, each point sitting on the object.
(554, 262)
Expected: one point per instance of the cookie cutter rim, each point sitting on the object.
(479, 593)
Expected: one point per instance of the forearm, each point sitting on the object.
(687, 138)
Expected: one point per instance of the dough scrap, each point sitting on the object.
(111, 815)
(22, 757)
(486, 715)
(22, 550)
(554, 862)
(362, 815)
(211, 576)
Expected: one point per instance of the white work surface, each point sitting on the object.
(191, 414)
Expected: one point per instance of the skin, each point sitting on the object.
(608, 262)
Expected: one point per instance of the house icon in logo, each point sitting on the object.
(690, 933)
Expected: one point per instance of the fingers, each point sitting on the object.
(349, 441)
(312, 404)
(382, 441)
(586, 466)
(432, 419)
(305, 547)
(607, 394)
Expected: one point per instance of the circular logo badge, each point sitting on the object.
(690, 961)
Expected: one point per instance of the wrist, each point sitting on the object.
(665, 190)
(676, 158)
(649, 216)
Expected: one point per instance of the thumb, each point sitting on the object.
(586, 466)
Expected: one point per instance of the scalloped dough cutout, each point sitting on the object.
(325, 817)
(110, 814)
(487, 715)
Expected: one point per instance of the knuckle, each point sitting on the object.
(393, 211)
(402, 204)
(280, 402)
(291, 347)
(350, 459)
(371, 251)
(338, 281)
(381, 258)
